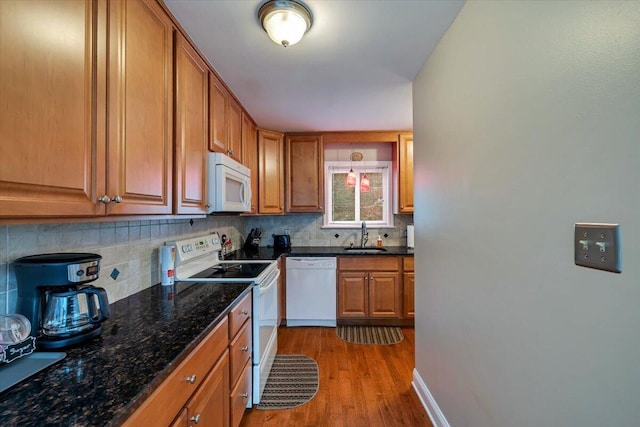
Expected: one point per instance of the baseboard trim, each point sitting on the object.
(429, 403)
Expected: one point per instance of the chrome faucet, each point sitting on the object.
(364, 236)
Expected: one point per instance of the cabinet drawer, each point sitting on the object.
(240, 395)
(240, 351)
(407, 263)
(209, 406)
(169, 398)
(239, 314)
(369, 263)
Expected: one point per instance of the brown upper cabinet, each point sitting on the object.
(77, 150)
(192, 128)
(52, 108)
(405, 173)
(270, 172)
(250, 156)
(305, 174)
(225, 118)
(140, 109)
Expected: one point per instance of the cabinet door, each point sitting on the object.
(353, 297)
(250, 156)
(408, 284)
(305, 174)
(52, 107)
(405, 169)
(385, 296)
(234, 144)
(217, 115)
(192, 127)
(209, 406)
(271, 172)
(140, 122)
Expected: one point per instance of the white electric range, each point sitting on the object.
(198, 260)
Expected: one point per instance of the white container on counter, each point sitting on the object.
(167, 265)
(410, 241)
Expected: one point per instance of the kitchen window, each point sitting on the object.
(347, 207)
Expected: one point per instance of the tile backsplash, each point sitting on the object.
(306, 230)
(131, 247)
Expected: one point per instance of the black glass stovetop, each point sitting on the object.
(246, 270)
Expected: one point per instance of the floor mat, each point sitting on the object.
(370, 334)
(293, 381)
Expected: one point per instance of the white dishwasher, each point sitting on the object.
(311, 291)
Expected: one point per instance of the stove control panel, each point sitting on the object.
(195, 247)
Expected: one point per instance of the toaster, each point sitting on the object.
(282, 242)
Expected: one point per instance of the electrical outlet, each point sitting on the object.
(598, 246)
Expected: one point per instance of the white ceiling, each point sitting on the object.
(352, 71)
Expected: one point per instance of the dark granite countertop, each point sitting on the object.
(312, 251)
(104, 381)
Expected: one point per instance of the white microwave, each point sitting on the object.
(229, 186)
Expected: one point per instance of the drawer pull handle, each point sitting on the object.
(245, 312)
(196, 418)
(192, 380)
(245, 348)
(245, 395)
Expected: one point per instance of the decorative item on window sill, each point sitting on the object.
(365, 185)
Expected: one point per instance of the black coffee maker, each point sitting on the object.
(53, 295)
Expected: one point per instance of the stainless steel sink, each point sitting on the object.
(357, 250)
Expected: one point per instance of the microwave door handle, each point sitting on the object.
(242, 190)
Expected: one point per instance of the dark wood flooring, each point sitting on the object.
(360, 385)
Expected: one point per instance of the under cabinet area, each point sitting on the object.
(371, 291)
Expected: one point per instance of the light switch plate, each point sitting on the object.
(598, 246)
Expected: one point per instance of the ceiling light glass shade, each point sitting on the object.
(351, 179)
(365, 185)
(285, 21)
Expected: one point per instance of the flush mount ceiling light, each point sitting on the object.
(285, 21)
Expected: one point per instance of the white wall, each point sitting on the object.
(526, 121)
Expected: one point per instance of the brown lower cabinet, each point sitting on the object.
(374, 290)
(211, 387)
(408, 288)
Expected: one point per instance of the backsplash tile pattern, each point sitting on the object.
(129, 246)
(306, 230)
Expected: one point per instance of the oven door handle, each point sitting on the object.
(270, 283)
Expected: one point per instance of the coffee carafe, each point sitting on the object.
(53, 294)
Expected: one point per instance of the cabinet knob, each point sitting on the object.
(104, 199)
(116, 199)
(229, 151)
(191, 379)
(207, 206)
(245, 348)
(195, 418)
(245, 312)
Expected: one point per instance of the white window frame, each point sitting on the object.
(385, 167)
